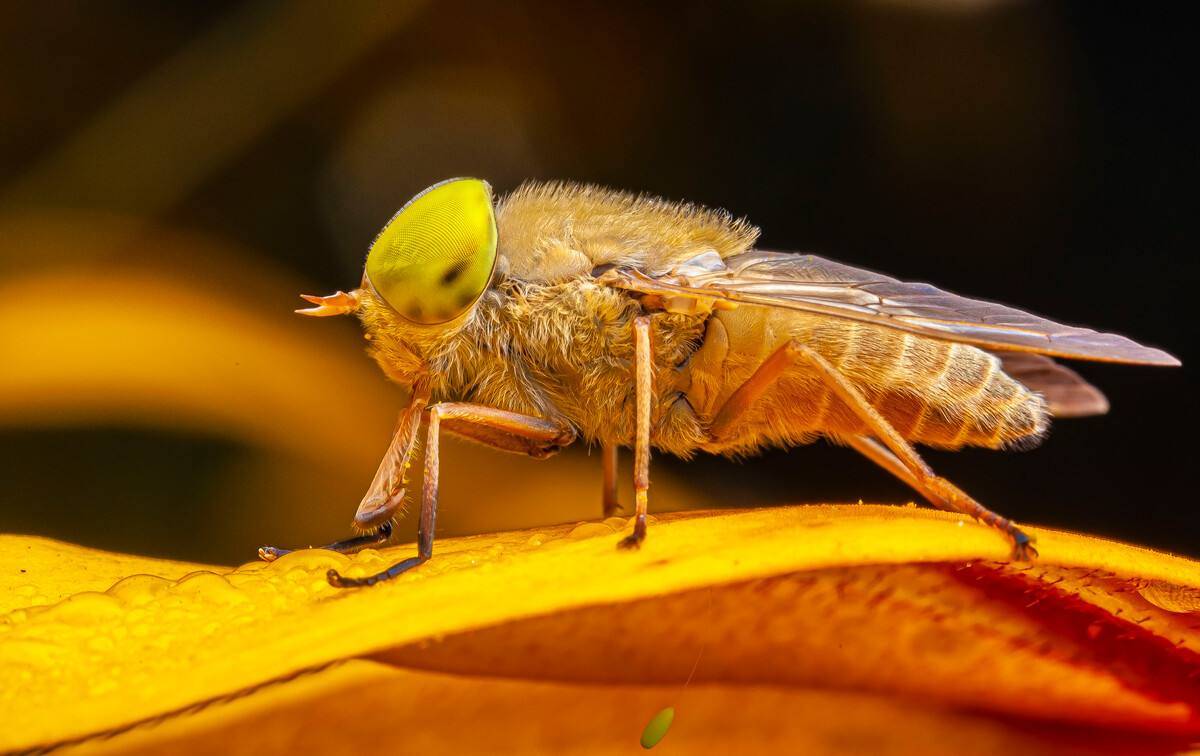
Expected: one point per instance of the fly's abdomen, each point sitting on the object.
(950, 395)
(934, 392)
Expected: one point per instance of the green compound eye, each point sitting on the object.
(435, 257)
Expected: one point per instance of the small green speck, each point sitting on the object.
(656, 728)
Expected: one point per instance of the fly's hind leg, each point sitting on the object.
(891, 452)
(879, 454)
(643, 365)
(943, 494)
(939, 491)
(506, 431)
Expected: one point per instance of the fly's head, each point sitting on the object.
(425, 274)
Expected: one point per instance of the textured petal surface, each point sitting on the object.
(910, 603)
(431, 712)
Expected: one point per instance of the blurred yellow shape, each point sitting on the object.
(144, 346)
(149, 326)
(895, 601)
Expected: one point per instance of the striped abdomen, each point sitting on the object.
(933, 392)
(944, 394)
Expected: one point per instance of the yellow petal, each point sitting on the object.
(880, 599)
(38, 571)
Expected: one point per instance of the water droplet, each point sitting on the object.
(211, 587)
(137, 590)
(313, 560)
(1179, 599)
(589, 530)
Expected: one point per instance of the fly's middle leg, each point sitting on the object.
(643, 365)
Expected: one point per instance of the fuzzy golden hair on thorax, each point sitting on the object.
(552, 232)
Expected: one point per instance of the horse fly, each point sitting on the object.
(566, 312)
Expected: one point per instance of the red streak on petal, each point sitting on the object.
(1142, 660)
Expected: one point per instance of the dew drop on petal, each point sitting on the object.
(1178, 599)
(588, 530)
(138, 590)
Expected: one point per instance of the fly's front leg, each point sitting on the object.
(347, 546)
(386, 493)
(643, 365)
(506, 431)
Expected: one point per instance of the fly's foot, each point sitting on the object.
(1023, 549)
(271, 553)
(631, 542)
(634, 539)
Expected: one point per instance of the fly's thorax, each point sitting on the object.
(557, 231)
(562, 351)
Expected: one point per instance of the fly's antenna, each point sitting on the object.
(340, 303)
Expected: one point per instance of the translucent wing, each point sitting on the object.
(1067, 394)
(814, 284)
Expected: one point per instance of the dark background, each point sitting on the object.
(1040, 154)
